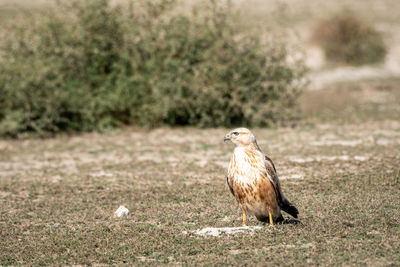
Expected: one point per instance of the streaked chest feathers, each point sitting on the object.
(247, 166)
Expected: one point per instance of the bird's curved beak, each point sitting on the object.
(227, 137)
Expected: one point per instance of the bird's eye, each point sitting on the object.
(235, 133)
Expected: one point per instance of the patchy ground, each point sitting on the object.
(339, 166)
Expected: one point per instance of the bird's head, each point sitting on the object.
(240, 137)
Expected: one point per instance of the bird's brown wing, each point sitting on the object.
(283, 202)
(272, 176)
(228, 181)
(270, 162)
(271, 171)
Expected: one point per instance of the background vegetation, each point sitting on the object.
(94, 66)
(345, 38)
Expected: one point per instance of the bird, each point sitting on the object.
(253, 180)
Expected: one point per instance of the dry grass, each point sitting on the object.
(58, 195)
(340, 168)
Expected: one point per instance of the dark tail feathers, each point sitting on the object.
(289, 208)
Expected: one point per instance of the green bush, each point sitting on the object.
(92, 66)
(347, 39)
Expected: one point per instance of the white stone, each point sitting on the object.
(212, 231)
(121, 212)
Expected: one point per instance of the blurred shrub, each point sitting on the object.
(92, 66)
(347, 39)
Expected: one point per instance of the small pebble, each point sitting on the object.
(121, 212)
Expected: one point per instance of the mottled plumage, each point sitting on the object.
(253, 180)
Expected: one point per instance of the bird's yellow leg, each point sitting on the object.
(271, 221)
(244, 218)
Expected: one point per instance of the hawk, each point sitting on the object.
(253, 180)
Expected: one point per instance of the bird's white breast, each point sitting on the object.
(246, 169)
